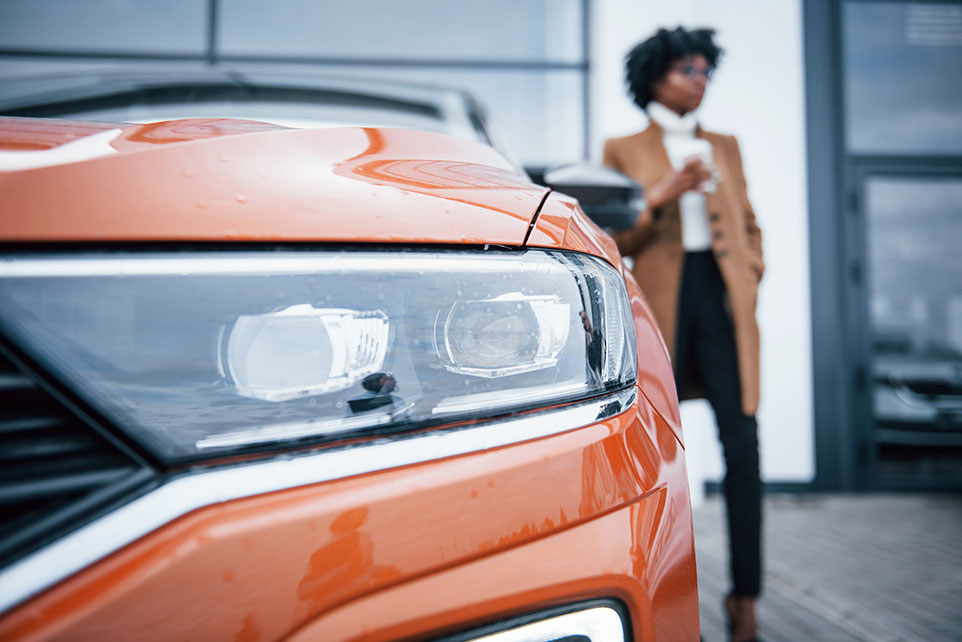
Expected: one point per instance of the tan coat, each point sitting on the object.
(655, 244)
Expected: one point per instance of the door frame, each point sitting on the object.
(859, 171)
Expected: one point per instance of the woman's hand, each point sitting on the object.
(687, 179)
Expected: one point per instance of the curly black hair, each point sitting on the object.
(650, 60)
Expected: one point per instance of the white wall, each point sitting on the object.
(758, 95)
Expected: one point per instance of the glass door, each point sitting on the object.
(913, 279)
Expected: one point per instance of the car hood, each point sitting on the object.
(217, 180)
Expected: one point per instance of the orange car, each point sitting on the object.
(263, 383)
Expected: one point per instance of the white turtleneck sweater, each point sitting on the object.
(681, 144)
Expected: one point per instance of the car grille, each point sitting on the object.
(56, 471)
(935, 388)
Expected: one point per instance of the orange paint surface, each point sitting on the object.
(233, 180)
(562, 224)
(596, 559)
(273, 563)
(598, 511)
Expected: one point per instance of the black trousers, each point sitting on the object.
(705, 350)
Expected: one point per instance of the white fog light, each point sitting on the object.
(507, 335)
(302, 351)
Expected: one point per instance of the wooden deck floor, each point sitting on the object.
(879, 568)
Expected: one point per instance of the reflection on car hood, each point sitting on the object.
(215, 180)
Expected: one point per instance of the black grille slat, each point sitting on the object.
(46, 444)
(27, 532)
(68, 485)
(67, 466)
(14, 382)
(56, 470)
(29, 424)
(20, 396)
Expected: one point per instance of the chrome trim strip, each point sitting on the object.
(600, 624)
(256, 264)
(185, 494)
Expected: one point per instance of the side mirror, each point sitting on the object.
(610, 199)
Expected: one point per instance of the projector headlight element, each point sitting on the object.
(509, 334)
(301, 350)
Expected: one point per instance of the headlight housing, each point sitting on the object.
(201, 354)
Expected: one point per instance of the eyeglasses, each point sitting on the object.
(693, 72)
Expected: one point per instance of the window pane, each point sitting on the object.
(902, 71)
(529, 30)
(123, 26)
(915, 225)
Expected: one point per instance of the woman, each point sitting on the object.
(697, 255)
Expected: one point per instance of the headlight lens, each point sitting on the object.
(509, 334)
(196, 354)
(301, 351)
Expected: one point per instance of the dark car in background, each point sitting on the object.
(290, 100)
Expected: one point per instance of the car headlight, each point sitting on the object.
(197, 354)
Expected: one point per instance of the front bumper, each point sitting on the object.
(542, 510)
